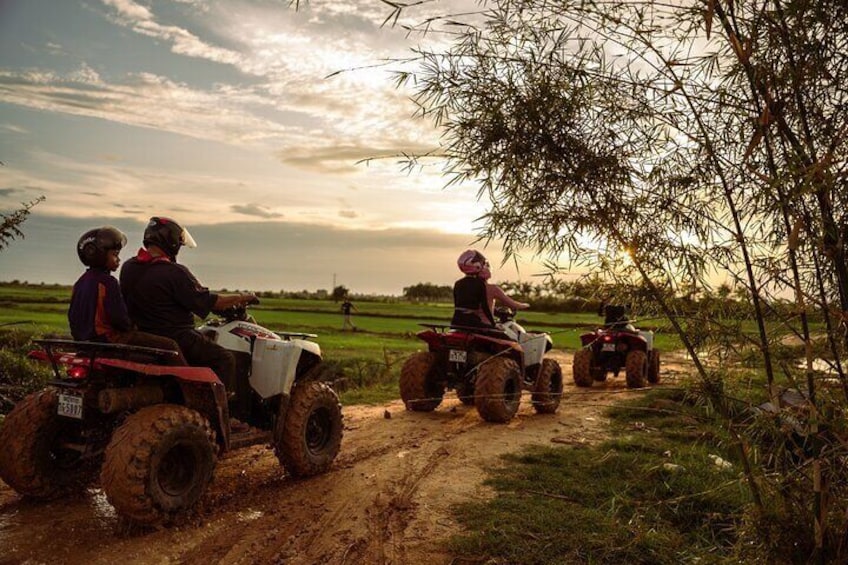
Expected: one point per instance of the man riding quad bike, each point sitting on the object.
(486, 367)
(155, 430)
(616, 345)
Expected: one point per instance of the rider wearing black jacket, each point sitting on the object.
(163, 297)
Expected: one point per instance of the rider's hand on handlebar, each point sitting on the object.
(248, 298)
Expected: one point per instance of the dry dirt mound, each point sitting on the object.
(386, 499)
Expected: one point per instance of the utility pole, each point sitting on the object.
(334, 283)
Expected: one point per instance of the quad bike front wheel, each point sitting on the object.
(636, 369)
(547, 390)
(418, 389)
(159, 463)
(33, 460)
(654, 367)
(582, 368)
(312, 432)
(497, 393)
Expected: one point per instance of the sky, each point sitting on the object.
(229, 116)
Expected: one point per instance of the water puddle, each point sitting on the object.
(823, 366)
(250, 515)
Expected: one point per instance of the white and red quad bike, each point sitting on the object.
(155, 430)
(614, 346)
(486, 368)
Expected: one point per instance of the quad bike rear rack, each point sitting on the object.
(59, 350)
(444, 328)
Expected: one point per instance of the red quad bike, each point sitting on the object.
(155, 430)
(617, 344)
(486, 368)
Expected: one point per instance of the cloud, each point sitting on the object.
(344, 158)
(347, 214)
(305, 256)
(13, 128)
(144, 100)
(183, 42)
(255, 210)
(286, 101)
(9, 191)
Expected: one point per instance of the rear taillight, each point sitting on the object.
(77, 372)
(607, 338)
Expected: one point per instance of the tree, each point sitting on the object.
(339, 293)
(428, 292)
(659, 143)
(10, 223)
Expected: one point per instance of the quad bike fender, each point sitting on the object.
(588, 339)
(634, 341)
(642, 340)
(211, 401)
(535, 346)
(440, 340)
(648, 336)
(182, 373)
(274, 364)
(200, 386)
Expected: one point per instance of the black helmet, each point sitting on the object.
(168, 235)
(95, 244)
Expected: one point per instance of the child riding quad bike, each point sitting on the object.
(486, 367)
(156, 430)
(617, 344)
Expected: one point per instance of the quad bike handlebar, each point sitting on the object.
(504, 314)
(238, 312)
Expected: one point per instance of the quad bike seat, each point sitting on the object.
(482, 330)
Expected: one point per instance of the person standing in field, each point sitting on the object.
(347, 306)
(97, 311)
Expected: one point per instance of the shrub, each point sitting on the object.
(19, 376)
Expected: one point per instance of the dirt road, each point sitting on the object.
(386, 500)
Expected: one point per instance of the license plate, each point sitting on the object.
(457, 356)
(70, 406)
(608, 347)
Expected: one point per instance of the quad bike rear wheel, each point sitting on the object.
(497, 392)
(582, 368)
(312, 436)
(547, 390)
(159, 463)
(418, 389)
(32, 459)
(636, 368)
(654, 367)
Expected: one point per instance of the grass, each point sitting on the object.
(618, 502)
(369, 358)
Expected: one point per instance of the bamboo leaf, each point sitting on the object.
(755, 141)
(708, 16)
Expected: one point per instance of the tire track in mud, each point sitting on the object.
(390, 512)
(387, 499)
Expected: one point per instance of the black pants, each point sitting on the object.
(201, 352)
(468, 320)
(144, 339)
